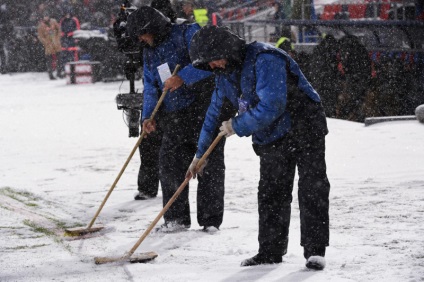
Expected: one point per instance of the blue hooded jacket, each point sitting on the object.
(262, 84)
(173, 50)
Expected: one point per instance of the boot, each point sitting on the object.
(314, 256)
(143, 196)
(315, 262)
(262, 259)
(172, 227)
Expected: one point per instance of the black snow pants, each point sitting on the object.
(148, 174)
(181, 131)
(277, 171)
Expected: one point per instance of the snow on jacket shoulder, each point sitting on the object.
(173, 51)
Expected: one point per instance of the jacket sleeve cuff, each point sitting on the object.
(239, 129)
(191, 75)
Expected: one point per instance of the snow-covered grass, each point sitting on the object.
(62, 147)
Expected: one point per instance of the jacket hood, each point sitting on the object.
(165, 7)
(215, 43)
(148, 20)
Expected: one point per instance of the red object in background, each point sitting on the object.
(54, 61)
(330, 11)
(214, 20)
(384, 10)
(340, 65)
(73, 50)
(357, 11)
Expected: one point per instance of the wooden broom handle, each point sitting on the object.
(152, 116)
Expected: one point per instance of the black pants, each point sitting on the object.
(148, 174)
(211, 189)
(277, 171)
(179, 143)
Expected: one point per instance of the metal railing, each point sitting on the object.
(410, 33)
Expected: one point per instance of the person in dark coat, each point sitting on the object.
(282, 112)
(148, 174)
(356, 65)
(68, 24)
(324, 74)
(184, 107)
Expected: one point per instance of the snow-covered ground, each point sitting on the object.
(62, 147)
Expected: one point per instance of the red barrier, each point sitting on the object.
(357, 11)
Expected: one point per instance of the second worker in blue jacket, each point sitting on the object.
(183, 112)
(282, 112)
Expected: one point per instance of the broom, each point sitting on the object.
(144, 257)
(78, 231)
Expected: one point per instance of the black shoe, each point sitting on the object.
(143, 196)
(315, 262)
(52, 77)
(172, 227)
(314, 256)
(262, 259)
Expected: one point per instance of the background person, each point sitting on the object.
(68, 24)
(48, 33)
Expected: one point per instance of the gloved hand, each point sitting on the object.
(149, 125)
(192, 168)
(227, 128)
(173, 83)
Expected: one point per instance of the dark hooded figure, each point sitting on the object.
(282, 112)
(357, 78)
(324, 74)
(165, 7)
(183, 111)
(68, 25)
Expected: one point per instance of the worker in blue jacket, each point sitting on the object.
(282, 112)
(166, 45)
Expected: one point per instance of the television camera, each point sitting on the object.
(131, 103)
